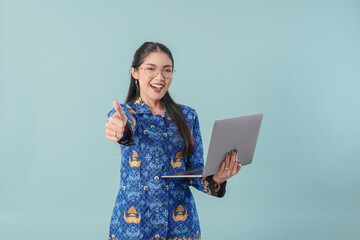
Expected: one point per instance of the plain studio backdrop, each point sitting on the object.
(298, 62)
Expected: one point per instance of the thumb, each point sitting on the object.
(118, 109)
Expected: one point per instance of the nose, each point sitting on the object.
(159, 76)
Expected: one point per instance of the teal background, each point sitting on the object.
(298, 62)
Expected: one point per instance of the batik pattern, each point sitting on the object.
(148, 206)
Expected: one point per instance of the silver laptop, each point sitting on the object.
(240, 133)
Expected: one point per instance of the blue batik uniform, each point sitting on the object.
(148, 206)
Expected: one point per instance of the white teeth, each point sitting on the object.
(156, 85)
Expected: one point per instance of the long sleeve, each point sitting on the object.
(128, 136)
(205, 184)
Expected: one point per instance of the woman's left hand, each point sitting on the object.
(228, 168)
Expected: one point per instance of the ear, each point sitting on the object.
(134, 73)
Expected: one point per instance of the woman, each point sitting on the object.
(158, 137)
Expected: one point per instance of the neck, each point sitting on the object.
(155, 106)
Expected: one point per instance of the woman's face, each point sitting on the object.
(153, 88)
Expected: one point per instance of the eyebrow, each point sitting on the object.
(156, 65)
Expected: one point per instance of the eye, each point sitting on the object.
(150, 69)
(168, 70)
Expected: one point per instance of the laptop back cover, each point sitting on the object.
(240, 133)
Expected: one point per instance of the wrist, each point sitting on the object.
(217, 179)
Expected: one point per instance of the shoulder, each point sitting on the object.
(128, 107)
(189, 112)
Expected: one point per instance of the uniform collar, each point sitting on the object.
(140, 107)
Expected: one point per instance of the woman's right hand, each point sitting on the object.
(116, 124)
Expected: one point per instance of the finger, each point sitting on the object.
(221, 169)
(115, 134)
(112, 138)
(118, 109)
(227, 161)
(234, 170)
(232, 160)
(227, 171)
(237, 158)
(110, 126)
(235, 166)
(117, 106)
(238, 168)
(117, 121)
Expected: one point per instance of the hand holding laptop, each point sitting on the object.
(228, 168)
(232, 133)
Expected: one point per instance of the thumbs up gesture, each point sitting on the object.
(116, 124)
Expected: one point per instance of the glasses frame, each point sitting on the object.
(162, 73)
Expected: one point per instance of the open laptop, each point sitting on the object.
(240, 133)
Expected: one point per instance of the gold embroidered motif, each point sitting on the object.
(123, 142)
(138, 100)
(206, 188)
(217, 187)
(113, 237)
(158, 238)
(197, 236)
(132, 216)
(175, 238)
(168, 118)
(178, 161)
(180, 216)
(133, 122)
(190, 181)
(133, 160)
(133, 112)
(130, 109)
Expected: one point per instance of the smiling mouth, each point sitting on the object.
(157, 86)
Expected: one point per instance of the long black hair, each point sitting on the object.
(172, 109)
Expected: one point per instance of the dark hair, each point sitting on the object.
(172, 109)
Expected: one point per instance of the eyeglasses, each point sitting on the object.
(152, 71)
